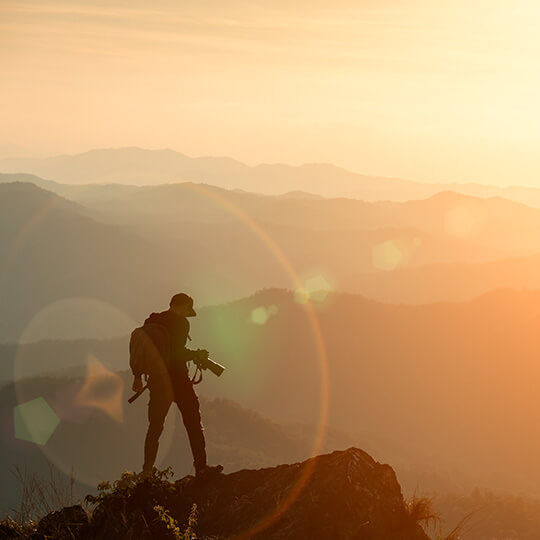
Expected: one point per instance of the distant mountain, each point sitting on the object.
(150, 167)
(100, 435)
(468, 229)
(88, 439)
(129, 249)
(489, 227)
(95, 444)
(65, 274)
(126, 250)
(50, 249)
(139, 166)
(448, 282)
(31, 178)
(425, 376)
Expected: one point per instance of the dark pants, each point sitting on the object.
(164, 390)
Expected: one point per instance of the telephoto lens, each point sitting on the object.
(204, 362)
(214, 367)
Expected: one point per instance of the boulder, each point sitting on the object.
(69, 522)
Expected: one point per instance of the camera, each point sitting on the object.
(202, 361)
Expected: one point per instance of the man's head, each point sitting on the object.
(182, 304)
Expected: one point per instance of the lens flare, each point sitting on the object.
(301, 296)
(102, 389)
(318, 288)
(314, 288)
(259, 315)
(35, 421)
(387, 256)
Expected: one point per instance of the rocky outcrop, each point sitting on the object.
(346, 495)
(343, 495)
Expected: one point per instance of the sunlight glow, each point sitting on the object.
(428, 90)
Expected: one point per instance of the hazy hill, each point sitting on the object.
(99, 434)
(55, 250)
(431, 376)
(140, 166)
(426, 377)
(50, 250)
(491, 225)
(488, 227)
(65, 274)
(331, 254)
(447, 282)
(142, 250)
(98, 440)
(49, 185)
(67, 360)
(467, 229)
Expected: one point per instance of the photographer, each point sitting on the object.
(172, 383)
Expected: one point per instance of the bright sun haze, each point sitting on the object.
(432, 91)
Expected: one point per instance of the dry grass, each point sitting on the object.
(41, 496)
(420, 510)
(460, 529)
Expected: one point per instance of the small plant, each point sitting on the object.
(126, 484)
(420, 511)
(139, 505)
(172, 524)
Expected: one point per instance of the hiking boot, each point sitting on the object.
(208, 470)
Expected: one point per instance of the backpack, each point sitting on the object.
(149, 349)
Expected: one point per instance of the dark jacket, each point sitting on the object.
(178, 329)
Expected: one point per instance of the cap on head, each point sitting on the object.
(182, 299)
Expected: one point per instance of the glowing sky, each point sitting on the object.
(421, 89)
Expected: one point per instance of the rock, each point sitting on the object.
(347, 495)
(66, 523)
(343, 495)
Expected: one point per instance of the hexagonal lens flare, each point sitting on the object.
(35, 421)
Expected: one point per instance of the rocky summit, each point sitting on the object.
(342, 495)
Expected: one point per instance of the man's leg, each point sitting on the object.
(188, 403)
(158, 406)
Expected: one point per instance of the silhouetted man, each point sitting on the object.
(174, 385)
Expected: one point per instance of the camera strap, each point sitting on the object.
(197, 376)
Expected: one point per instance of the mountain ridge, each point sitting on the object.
(230, 173)
(166, 165)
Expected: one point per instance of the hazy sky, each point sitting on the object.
(419, 89)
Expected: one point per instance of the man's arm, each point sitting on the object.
(137, 385)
